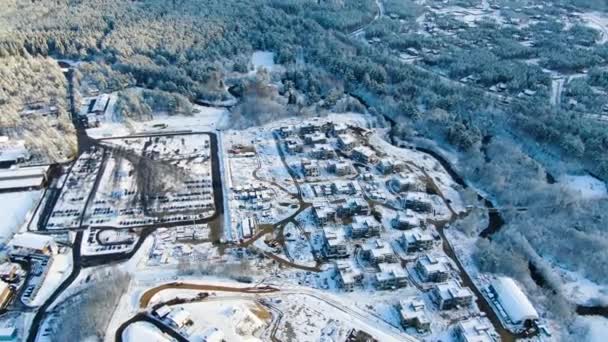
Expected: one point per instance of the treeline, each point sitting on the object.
(36, 83)
(141, 104)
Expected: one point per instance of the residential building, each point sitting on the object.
(345, 187)
(364, 154)
(346, 142)
(8, 334)
(247, 225)
(407, 220)
(353, 206)
(29, 243)
(315, 138)
(348, 275)
(99, 104)
(390, 276)
(416, 240)
(310, 127)
(450, 295)
(413, 314)
(419, 202)
(310, 168)
(334, 243)
(365, 226)
(339, 128)
(23, 178)
(286, 131)
(389, 165)
(475, 329)
(293, 145)
(12, 152)
(433, 269)
(322, 151)
(179, 318)
(379, 251)
(323, 212)
(340, 167)
(404, 182)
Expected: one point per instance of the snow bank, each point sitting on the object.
(597, 328)
(143, 331)
(588, 186)
(262, 59)
(15, 206)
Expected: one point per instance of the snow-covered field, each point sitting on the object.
(14, 209)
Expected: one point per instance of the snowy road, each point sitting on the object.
(379, 15)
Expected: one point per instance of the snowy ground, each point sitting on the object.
(203, 119)
(144, 331)
(58, 271)
(587, 186)
(263, 59)
(597, 328)
(15, 208)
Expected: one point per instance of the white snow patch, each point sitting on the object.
(263, 59)
(588, 186)
(15, 206)
(143, 331)
(597, 328)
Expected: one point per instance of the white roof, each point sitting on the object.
(31, 241)
(180, 317)
(476, 330)
(513, 300)
(143, 331)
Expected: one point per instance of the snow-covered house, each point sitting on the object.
(310, 168)
(322, 151)
(348, 275)
(404, 182)
(378, 251)
(315, 138)
(450, 295)
(433, 269)
(12, 151)
(364, 155)
(286, 131)
(390, 276)
(310, 127)
(389, 165)
(412, 312)
(179, 318)
(365, 226)
(416, 240)
(475, 330)
(407, 220)
(340, 167)
(29, 243)
(514, 302)
(323, 212)
(293, 145)
(339, 128)
(353, 206)
(334, 243)
(31, 177)
(247, 226)
(418, 201)
(346, 142)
